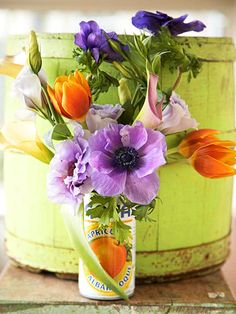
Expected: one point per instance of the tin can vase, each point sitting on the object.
(117, 259)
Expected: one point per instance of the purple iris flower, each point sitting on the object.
(124, 160)
(154, 21)
(91, 37)
(69, 178)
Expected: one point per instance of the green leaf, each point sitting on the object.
(60, 132)
(141, 212)
(100, 82)
(140, 47)
(174, 53)
(121, 231)
(102, 208)
(107, 211)
(75, 227)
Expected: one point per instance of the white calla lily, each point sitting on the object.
(22, 136)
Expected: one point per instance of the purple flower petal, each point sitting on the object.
(154, 21)
(109, 184)
(156, 140)
(101, 162)
(98, 142)
(176, 117)
(100, 116)
(149, 163)
(141, 190)
(177, 26)
(91, 37)
(148, 21)
(69, 176)
(95, 53)
(129, 161)
(133, 136)
(112, 136)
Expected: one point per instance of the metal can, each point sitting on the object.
(117, 259)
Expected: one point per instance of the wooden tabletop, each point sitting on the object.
(24, 292)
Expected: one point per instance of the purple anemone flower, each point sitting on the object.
(124, 160)
(154, 21)
(91, 37)
(69, 178)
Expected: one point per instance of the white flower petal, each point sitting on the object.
(176, 117)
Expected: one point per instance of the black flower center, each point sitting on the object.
(126, 158)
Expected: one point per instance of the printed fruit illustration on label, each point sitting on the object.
(110, 253)
(116, 258)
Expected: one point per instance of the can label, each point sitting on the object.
(117, 259)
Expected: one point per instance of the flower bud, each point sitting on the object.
(124, 92)
(35, 60)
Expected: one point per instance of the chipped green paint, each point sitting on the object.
(154, 265)
(194, 211)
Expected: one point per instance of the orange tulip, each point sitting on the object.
(210, 156)
(71, 96)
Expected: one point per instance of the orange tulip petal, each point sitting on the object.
(199, 134)
(61, 79)
(195, 139)
(58, 91)
(210, 167)
(75, 100)
(53, 98)
(82, 80)
(55, 103)
(187, 148)
(71, 96)
(221, 153)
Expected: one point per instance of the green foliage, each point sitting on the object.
(99, 80)
(174, 54)
(141, 212)
(105, 208)
(145, 53)
(121, 231)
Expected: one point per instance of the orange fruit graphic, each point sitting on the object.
(111, 254)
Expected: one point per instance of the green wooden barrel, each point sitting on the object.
(192, 222)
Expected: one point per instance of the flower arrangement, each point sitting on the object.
(112, 152)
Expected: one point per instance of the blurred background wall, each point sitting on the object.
(20, 16)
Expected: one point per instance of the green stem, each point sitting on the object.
(173, 150)
(177, 82)
(232, 131)
(75, 228)
(53, 113)
(57, 119)
(179, 161)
